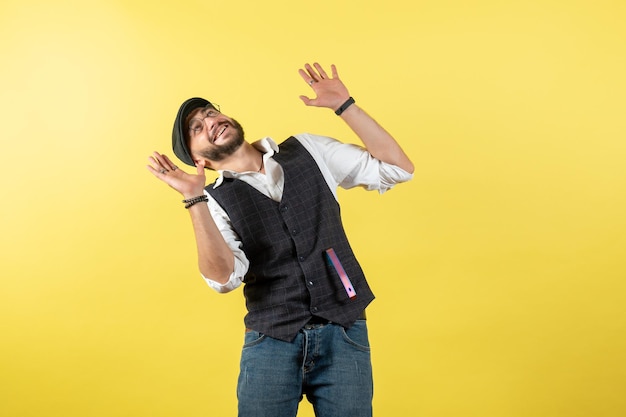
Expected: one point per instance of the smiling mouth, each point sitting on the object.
(219, 132)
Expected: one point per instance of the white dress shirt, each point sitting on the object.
(342, 165)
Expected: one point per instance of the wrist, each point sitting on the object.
(193, 193)
(195, 200)
(349, 102)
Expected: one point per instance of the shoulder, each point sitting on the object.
(313, 140)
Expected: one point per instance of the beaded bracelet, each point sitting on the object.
(194, 200)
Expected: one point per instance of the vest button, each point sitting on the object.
(301, 258)
(294, 232)
(314, 310)
(284, 208)
(310, 283)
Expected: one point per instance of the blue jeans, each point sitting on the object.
(325, 362)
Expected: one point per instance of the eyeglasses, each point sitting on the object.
(197, 124)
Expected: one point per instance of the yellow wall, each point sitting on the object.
(499, 270)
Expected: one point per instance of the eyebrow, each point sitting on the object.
(205, 110)
(189, 118)
(209, 107)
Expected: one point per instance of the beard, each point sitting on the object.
(219, 152)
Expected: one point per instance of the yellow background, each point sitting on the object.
(499, 269)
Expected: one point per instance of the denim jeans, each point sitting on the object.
(325, 362)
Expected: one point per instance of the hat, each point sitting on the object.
(179, 140)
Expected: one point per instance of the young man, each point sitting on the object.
(271, 220)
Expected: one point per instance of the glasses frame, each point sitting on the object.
(210, 107)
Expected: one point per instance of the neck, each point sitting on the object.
(246, 158)
(262, 163)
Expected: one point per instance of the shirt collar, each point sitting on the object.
(266, 145)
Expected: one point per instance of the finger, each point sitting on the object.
(306, 77)
(162, 164)
(170, 165)
(200, 166)
(154, 163)
(160, 160)
(156, 171)
(320, 70)
(333, 69)
(308, 101)
(151, 169)
(311, 72)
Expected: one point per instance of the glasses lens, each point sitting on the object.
(210, 110)
(195, 125)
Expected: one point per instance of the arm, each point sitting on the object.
(332, 93)
(215, 258)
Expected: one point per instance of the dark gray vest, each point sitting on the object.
(289, 278)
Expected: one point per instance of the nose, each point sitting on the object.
(208, 123)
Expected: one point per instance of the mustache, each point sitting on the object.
(219, 152)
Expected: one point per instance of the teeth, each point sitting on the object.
(220, 133)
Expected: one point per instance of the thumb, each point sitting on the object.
(200, 167)
(307, 101)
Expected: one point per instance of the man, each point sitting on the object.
(271, 220)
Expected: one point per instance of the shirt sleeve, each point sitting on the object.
(347, 165)
(232, 240)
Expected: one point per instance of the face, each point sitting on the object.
(212, 135)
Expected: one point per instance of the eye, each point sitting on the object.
(211, 113)
(195, 126)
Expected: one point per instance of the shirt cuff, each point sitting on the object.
(232, 283)
(234, 280)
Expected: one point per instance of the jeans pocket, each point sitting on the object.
(357, 336)
(252, 338)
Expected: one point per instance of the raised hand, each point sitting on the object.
(330, 91)
(188, 185)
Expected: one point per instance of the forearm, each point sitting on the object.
(215, 259)
(379, 143)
